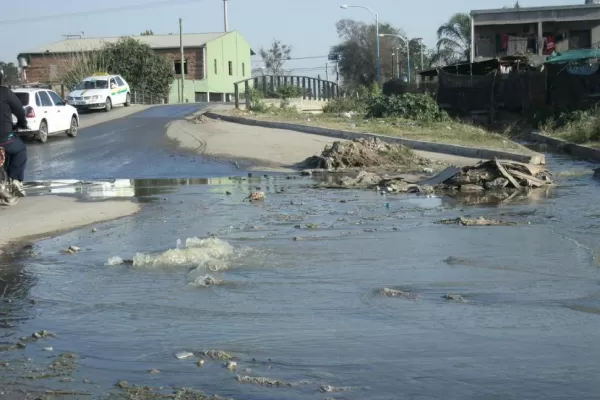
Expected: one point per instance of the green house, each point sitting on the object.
(213, 63)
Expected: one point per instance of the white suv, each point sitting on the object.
(47, 113)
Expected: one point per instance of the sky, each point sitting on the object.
(307, 25)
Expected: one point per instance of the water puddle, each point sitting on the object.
(294, 289)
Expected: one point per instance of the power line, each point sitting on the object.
(100, 11)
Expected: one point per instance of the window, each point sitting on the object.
(177, 64)
(113, 84)
(230, 65)
(58, 101)
(243, 69)
(119, 81)
(38, 102)
(23, 98)
(215, 66)
(46, 102)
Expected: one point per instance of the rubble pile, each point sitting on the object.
(497, 174)
(364, 153)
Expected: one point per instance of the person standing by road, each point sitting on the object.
(13, 145)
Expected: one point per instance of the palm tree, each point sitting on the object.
(454, 39)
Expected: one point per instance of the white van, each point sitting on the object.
(100, 92)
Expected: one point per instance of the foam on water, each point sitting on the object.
(209, 254)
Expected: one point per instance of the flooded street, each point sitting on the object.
(292, 289)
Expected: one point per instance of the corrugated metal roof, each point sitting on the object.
(154, 41)
(534, 9)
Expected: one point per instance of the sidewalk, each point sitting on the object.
(270, 148)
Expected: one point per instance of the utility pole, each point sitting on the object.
(326, 73)
(225, 16)
(182, 61)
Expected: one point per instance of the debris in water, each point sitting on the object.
(49, 348)
(217, 355)
(499, 174)
(200, 363)
(182, 355)
(71, 250)
(94, 230)
(41, 334)
(481, 221)
(454, 297)
(154, 371)
(333, 389)
(231, 365)
(255, 380)
(399, 293)
(116, 260)
(256, 196)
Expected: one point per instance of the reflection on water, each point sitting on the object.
(291, 287)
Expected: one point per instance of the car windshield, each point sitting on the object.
(23, 97)
(95, 84)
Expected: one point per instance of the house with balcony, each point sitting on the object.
(535, 32)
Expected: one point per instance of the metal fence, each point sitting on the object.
(144, 97)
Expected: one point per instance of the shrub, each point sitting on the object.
(578, 126)
(419, 107)
(345, 104)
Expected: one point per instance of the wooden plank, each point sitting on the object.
(532, 181)
(508, 176)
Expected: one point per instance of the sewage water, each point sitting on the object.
(294, 294)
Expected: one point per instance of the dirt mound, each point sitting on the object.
(365, 153)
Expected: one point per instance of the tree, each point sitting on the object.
(358, 51)
(147, 32)
(454, 40)
(11, 73)
(141, 67)
(275, 57)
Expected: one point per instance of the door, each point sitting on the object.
(115, 92)
(48, 112)
(122, 90)
(63, 117)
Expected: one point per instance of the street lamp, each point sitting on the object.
(346, 6)
(420, 39)
(407, 49)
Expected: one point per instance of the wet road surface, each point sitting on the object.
(310, 311)
(130, 147)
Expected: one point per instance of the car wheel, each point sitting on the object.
(74, 129)
(42, 135)
(108, 106)
(128, 100)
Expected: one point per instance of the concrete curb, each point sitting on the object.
(452, 149)
(577, 150)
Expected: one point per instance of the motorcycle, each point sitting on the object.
(8, 196)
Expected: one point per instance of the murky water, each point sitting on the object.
(294, 294)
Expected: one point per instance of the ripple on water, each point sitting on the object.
(314, 307)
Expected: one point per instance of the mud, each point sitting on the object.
(480, 221)
(127, 391)
(262, 381)
(366, 153)
(217, 355)
(399, 293)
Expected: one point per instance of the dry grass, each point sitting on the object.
(446, 132)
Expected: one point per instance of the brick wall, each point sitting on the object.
(193, 57)
(50, 68)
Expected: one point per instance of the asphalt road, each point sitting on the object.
(130, 147)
